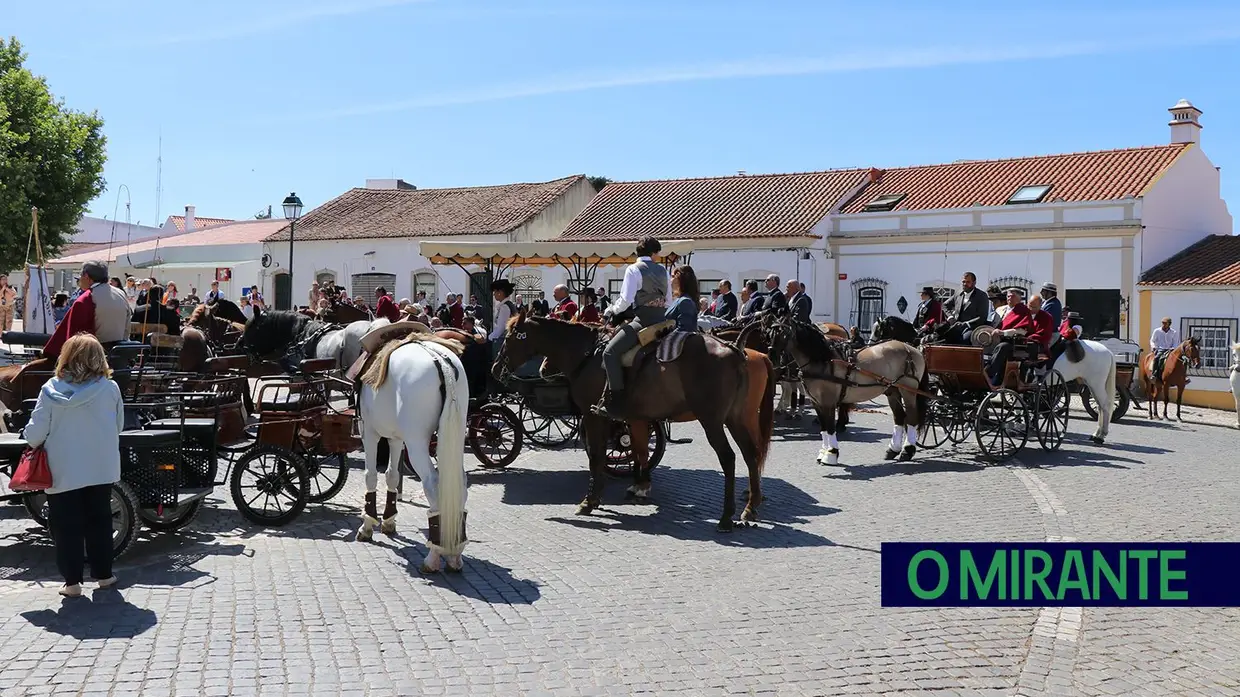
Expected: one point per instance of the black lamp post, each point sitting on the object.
(292, 211)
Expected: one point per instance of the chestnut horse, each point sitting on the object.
(713, 382)
(1174, 374)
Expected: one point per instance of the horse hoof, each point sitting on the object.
(629, 495)
(428, 570)
(724, 526)
(749, 516)
(456, 568)
(641, 499)
(1096, 439)
(364, 535)
(585, 509)
(907, 453)
(890, 454)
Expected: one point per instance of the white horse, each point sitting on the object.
(1097, 370)
(1235, 379)
(413, 389)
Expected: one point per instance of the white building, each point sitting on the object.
(1199, 289)
(861, 240)
(229, 251)
(368, 237)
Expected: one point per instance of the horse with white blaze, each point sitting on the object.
(414, 389)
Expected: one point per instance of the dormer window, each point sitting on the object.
(885, 202)
(1030, 194)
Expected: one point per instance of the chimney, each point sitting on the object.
(189, 218)
(875, 175)
(389, 184)
(1184, 125)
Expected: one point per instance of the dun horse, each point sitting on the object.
(830, 378)
(1174, 374)
(715, 383)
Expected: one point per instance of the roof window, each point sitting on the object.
(885, 202)
(1030, 194)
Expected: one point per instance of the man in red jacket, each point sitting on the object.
(565, 308)
(1043, 325)
(456, 311)
(101, 309)
(384, 307)
(1016, 323)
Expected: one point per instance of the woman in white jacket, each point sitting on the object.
(78, 421)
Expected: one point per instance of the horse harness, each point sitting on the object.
(849, 361)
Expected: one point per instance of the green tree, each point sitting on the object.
(598, 183)
(51, 158)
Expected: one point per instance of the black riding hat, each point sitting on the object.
(503, 285)
(928, 290)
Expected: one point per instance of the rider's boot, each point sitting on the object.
(611, 404)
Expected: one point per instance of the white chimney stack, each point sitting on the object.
(189, 218)
(1184, 125)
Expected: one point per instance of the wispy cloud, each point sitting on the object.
(277, 22)
(775, 67)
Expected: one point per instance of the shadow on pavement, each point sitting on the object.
(481, 579)
(895, 468)
(105, 615)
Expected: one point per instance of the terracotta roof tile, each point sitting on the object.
(244, 232)
(199, 223)
(479, 210)
(765, 205)
(1214, 261)
(1087, 176)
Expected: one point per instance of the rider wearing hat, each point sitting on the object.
(1050, 302)
(929, 312)
(646, 289)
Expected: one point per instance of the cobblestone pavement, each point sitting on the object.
(647, 598)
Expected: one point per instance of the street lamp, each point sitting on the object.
(292, 211)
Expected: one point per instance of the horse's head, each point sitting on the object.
(528, 336)
(1192, 351)
(228, 310)
(881, 331)
(266, 334)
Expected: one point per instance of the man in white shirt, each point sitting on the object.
(1162, 341)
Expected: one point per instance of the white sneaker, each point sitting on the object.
(108, 582)
(71, 591)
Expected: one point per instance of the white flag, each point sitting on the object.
(37, 315)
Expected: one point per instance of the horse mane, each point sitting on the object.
(197, 315)
(813, 342)
(376, 374)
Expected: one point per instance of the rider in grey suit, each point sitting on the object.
(648, 290)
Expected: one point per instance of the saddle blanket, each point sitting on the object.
(672, 345)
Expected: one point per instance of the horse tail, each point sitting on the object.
(922, 401)
(1110, 384)
(766, 414)
(450, 454)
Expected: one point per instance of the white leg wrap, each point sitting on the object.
(910, 436)
(897, 437)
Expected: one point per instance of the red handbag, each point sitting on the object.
(32, 473)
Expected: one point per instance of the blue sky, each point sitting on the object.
(254, 99)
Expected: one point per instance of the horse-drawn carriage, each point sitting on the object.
(546, 413)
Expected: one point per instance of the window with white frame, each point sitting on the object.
(426, 282)
(706, 286)
(1215, 337)
(869, 303)
(613, 287)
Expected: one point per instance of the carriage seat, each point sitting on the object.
(160, 340)
(647, 337)
(25, 339)
(222, 364)
(124, 353)
(376, 338)
(290, 403)
(141, 439)
(198, 425)
(317, 365)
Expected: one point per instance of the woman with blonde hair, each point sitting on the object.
(78, 420)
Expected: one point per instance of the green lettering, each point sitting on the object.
(1165, 574)
(914, 586)
(969, 575)
(1073, 564)
(1102, 567)
(1143, 571)
(1039, 576)
(1014, 594)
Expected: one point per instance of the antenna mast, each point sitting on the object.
(159, 175)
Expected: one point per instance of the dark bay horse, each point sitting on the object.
(717, 384)
(1174, 374)
(830, 378)
(227, 309)
(343, 313)
(893, 328)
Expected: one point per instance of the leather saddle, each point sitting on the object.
(379, 337)
(647, 341)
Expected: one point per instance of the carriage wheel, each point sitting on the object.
(960, 426)
(36, 506)
(1001, 425)
(494, 436)
(124, 518)
(1051, 416)
(1121, 404)
(328, 472)
(173, 518)
(619, 460)
(936, 426)
(270, 485)
(548, 431)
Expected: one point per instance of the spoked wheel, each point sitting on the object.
(620, 461)
(548, 431)
(328, 472)
(270, 485)
(1051, 416)
(936, 425)
(494, 436)
(124, 518)
(36, 506)
(1001, 425)
(172, 517)
(1119, 406)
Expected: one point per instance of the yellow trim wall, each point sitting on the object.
(1211, 399)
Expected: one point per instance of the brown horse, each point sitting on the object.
(719, 385)
(343, 313)
(1174, 374)
(756, 339)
